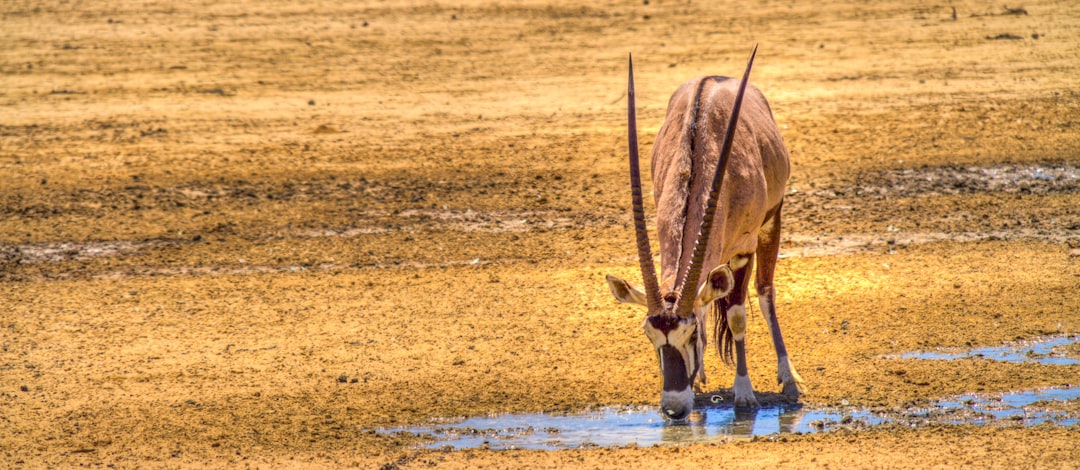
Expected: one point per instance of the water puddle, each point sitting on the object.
(1044, 351)
(1029, 408)
(643, 426)
(716, 420)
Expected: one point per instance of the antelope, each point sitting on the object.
(719, 185)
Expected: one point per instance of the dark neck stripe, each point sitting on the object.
(680, 277)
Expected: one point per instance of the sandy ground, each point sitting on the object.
(212, 213)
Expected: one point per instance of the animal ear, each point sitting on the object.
(626, 293)
(719, 284)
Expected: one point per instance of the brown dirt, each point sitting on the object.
(212, 212)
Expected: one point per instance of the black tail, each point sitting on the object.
(721, 332)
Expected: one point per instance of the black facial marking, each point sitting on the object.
(664, 323)
(675, 377)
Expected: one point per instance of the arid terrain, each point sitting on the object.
(239, 233)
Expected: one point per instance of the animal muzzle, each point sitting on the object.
(677, 405)
(677, 399)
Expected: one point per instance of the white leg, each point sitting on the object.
(744, 392)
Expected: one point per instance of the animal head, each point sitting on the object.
(675, 323)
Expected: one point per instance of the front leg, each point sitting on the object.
(735, 312)
(744, 391)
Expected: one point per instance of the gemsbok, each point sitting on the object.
(719, 183)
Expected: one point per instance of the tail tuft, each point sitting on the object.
(722, 334)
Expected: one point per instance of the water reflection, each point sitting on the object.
(643, 426)
(710, 422)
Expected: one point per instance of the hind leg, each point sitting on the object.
(767, 253)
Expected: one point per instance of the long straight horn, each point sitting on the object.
(648, 270)
(690, 282)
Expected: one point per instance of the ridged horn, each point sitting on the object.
(648, 270)
(688, 292)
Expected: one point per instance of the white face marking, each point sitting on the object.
(656, 337)
(678, 337)
(682, 338)
(682, 334)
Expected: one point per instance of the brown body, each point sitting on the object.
(753, 186)
(719, 192)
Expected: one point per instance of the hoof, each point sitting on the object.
(793, 390)
(749, 401)
(744, 393)
(792, 382)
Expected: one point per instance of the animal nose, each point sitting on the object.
(676, 413)
(677, 405)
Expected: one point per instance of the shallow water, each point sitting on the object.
(1032, 407)
(719, 421)
(1041, 352)
(643, 426)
